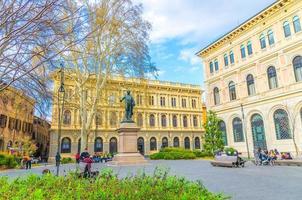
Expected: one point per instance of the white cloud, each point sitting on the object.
(188, 55)
(195, 20)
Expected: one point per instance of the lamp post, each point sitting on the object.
(61, 98)
(245, 132)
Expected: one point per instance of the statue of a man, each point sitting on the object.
(129, 105)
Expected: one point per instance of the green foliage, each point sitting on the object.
(202, 154)
(173, 154)
(213, 140)
(67, 160)
(8, 161)
(107, 186)
(229, 150)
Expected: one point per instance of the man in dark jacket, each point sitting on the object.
(58, 159)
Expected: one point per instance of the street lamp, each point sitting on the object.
(61, 98)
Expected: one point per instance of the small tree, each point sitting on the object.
(213, 136)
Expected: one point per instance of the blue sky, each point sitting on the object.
(182, 27)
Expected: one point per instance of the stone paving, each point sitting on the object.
(249, 183)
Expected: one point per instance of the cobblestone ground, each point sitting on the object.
(251, 182)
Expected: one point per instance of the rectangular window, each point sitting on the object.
(151, 100)
(162, 101)
(262, 43)
(3, 120)
(193, 103)
(249, 49)
(184, 103)
(173, 102)
(216, 66)
(242, 52)
(11, 123)
(226, 60)
(232, 60)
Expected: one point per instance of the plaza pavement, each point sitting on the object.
(249, 183)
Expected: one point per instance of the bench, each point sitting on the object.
(224, 161)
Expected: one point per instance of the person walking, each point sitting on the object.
(58, 159)
(28, 163)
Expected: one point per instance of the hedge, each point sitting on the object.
(106, 186)
(179, 153)
(8, 161)
(67, 160)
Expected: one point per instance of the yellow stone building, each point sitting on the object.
(16, 118)
(169, 114)
(254, 80)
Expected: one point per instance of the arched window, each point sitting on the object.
(67, 117)
(153, 144)
(211, 67)
(98, 119)
(216, 96)
(272, 77)
(297, 25)
(242, 50)
(176, 142)
(164, 143)
(270, 36)
(286, 29)
(113, 145)
(140, 119)
(195, 121)
(226, 60)
(174, 120)
(98, 144)
(187, 143)
(232, 60)
(197, 143)
(237, 130)
(222, 128)
(113, 119)
(232, 91)
(250, 85)
(185, 121)
(282, 125)
(216, 65)
(249, 48)
(262, 41)
(152, 120)
(163, 121)
(297, 63)
(66, 145)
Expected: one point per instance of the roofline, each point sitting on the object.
(237, 27)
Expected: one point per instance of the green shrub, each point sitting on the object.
(107, 186)
(229, 150)
(173, 154)
(67, 160)
(202, 154)
(8, 161)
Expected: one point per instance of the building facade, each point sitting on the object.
(169, 114)
(41, 135)
(16, 118)
(254, 80)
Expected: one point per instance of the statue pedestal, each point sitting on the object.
(127, 146)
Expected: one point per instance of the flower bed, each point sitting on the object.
(106, 186)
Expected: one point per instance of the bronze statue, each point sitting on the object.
(129, 105)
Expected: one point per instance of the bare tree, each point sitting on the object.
(31, 34)
(117, 45)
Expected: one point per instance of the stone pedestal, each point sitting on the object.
(127, 146)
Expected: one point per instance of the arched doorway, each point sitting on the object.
(187, 143)
(113, 145)
(258, 132)
(141, 145)
(79, 145)
(176, 142)
(164, 142)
